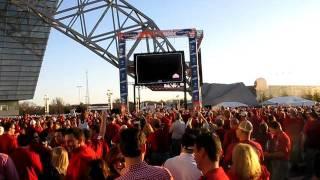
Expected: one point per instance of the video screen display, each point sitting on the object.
(159, 68)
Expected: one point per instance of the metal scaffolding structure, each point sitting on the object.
(96, 23)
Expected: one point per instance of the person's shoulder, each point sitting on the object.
(218, 174)
(160, 169)
(31, 152)
(265, 174)
(6, 137)
(255, 143)
(170, 161)
(3, 158)
(91, 154)
(164, 171)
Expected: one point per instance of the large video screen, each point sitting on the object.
(159, 68)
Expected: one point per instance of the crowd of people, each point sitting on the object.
(247, 143)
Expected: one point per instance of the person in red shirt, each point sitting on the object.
(8, 142)
(166, 120)
(311, 142)
(112, 130)
(246, 164)
(207, 153)
(279, 152)
(81, 155)
(263, 136)
(27, 162)
(227, 118)
(243, 133)
(220, 131)
(38, 128)
(97, 143)
(158, 142)
(293, 126)
(230, 136)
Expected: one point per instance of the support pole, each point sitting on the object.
(123, 74)
(134, 98)
(195, 83)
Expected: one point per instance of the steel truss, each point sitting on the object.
(96, 23)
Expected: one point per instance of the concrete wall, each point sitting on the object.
(292, 90)
(275, 91)
(9, 108)
(23, 40)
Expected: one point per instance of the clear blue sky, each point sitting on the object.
(243, 40)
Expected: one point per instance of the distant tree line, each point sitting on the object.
(314, 97)
(57, 106)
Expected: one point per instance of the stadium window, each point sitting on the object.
(4, 108)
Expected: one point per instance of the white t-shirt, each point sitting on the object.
(183, 167)
(83, 125)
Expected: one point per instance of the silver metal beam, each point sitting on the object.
(96, 24)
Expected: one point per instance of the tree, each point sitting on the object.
(28, 107)
(67, 108)
(57, 106)
(81, 108)
(316, 96)
(308, 96)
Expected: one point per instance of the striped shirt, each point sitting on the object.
(144, 171)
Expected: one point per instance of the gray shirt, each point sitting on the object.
(178, 128)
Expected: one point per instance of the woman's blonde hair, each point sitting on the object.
(245, 162)
(60, 159)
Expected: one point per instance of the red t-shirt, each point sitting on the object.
(8, 143)
(215, 174)
(255, 145)
(112, 130)
(264, 139)
(27, 162)
(255, 121)
(265, 175)
(79, 163)
(38, 129)
(230, 137)
(185, 117)
(99, 147)
(220, 132)
(159, 141)
(312, 132)
(226, 124)
(281, 143)
(166, 121)
(293, 127)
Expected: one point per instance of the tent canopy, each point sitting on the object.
(289, 100)
(231, 104)
(213, 94)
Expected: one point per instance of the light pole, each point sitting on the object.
(46, 105)
(109, 94)
(79, 89)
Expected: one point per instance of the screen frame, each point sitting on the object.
(157, 82)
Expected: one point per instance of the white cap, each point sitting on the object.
(245, 126)
(32, 122)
